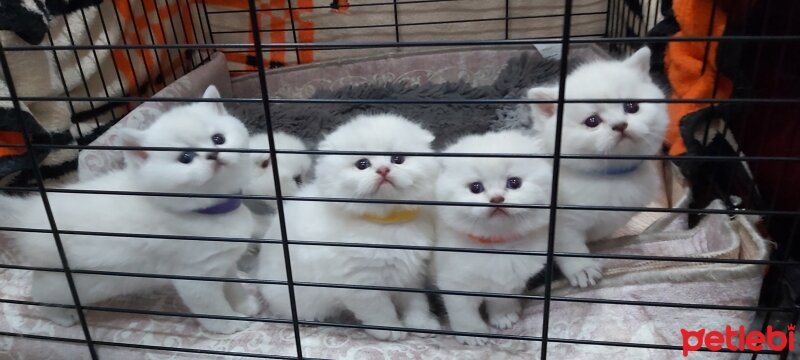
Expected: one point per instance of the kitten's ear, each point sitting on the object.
(212, 93)
(543, 110)
(133, 138)
(323, 145)
(428, 137)
(640, 60)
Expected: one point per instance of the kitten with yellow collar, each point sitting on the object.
(360, 177)
(494, 182)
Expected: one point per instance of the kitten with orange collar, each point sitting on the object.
(385, 178)
(494, 182)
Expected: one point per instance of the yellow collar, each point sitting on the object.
(494, 240)
(393, 217)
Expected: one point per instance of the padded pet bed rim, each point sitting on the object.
(396, 55)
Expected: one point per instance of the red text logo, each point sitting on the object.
(734, 340)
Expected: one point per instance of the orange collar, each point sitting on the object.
(393, 217)
(493, 240)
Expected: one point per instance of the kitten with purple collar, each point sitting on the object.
(360, 177)
(199, 125)
(491, 181)
(621, 127)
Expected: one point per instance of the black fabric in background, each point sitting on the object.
(664, 28)
(769, 70)
(60, 7)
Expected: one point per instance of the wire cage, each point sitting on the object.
(111, 57)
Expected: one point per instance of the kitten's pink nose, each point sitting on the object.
(620, 127)
(497, 199)
(383, 171)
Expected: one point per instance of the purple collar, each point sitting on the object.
(224, 207)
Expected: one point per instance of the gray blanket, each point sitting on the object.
(447, 121)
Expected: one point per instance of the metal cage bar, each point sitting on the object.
(275, 174)
(384, 44)
(50, 218)
(549, 266)
(294, 30)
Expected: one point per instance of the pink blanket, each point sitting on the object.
(672, 282)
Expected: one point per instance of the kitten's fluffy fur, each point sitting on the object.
(525, 229)
(149, 171)
(336, 176)
(294, 169)
(581, 181)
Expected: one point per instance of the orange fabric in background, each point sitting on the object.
(274, 15)
(684, 65)
(11, 138)
(154, 16)
(305, 28)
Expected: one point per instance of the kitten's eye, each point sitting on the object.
(631, 107)
(187, 157)
(476, 187)
(592, 121)
(264, 164)
(513, 182)
(218, 139)
(398, 159)
(298, 180)
(362, 164)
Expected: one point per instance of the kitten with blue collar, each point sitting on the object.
(199, 125)
(623, 126)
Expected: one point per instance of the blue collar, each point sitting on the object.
(617, 170)
(224, 207)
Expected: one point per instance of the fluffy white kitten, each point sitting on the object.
(490, 181)
(360, 177)
(616, 128)
(294, 169)
(197, 125)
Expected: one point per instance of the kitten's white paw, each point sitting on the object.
(61, 316)
(387, 335)
(472, 341)
(582, 272)
(249, 306)
(226, 327)
(477, 326)
(422, 320)
(504, 321)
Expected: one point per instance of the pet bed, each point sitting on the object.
(715, 237)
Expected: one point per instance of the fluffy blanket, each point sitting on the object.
(447, 121)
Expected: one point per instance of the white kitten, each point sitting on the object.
(490, 181)
(294, 169)
(197, 125)
(617, 128)
(360, 177)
